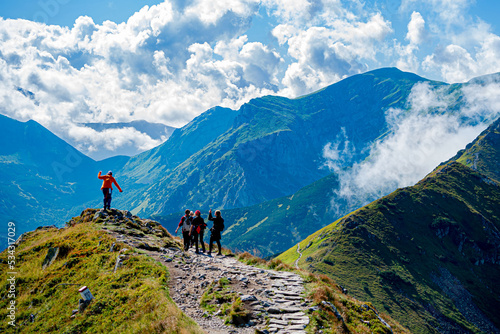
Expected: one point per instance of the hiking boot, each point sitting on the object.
(196, 252)
(220, 254)
(209, 254)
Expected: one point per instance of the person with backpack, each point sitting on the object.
(196, 228)
(107, 187)
(216, 230)
(185, 223)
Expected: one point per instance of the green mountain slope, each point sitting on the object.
(428, 254)
(483, 154)
(271, 147)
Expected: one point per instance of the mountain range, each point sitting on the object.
(265, 160)
(269, 148)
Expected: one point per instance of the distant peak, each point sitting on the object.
(395, 73)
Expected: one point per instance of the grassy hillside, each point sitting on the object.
(134, 299)
(483, 154)
(427, 255)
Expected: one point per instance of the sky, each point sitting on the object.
(68, 62)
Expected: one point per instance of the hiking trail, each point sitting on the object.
(296, 264)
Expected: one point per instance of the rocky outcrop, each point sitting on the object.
(139, 233)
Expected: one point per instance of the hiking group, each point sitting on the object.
(193, 225)
(193, 229)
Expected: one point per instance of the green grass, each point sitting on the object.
(219, 297)
(135, 299)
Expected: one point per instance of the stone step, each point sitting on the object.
(287, 304)
(278, 322)
(288, 297)
(289, 317)
(275, 316)
(280, 301)
(296, 314)
(276, 326)
(290, 309)
(296, 327)
(303, 322)
(288, 293)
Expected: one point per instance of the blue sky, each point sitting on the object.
(65, 12)
(168, 61)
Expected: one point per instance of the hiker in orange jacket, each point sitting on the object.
(107, 187)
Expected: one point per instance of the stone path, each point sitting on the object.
(274, 299)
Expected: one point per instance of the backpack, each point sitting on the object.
(186, 224)
(221, 225)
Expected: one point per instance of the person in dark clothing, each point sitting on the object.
(196, 226)
(215, 231)
(192, 235)
(186, 229)
(201, 235)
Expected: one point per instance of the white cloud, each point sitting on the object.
(456, 64)
(419, 140)
(416, 29)
(158, 66)
(416, 35)
(326, 55)
(111, 139)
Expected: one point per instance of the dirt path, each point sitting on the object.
(300, 255)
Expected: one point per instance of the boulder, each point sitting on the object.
(248, 298)
(50, 257)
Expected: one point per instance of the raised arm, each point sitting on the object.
(99, 176)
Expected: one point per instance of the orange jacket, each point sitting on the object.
(108, 181)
